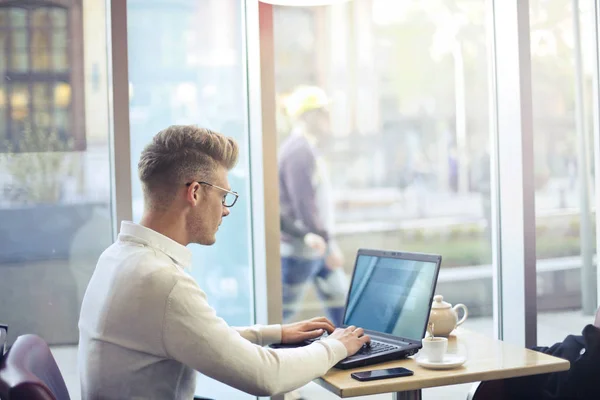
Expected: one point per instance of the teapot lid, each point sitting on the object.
(439, 303)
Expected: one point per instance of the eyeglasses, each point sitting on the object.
(229, 198)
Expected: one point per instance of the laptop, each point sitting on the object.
(390, 297)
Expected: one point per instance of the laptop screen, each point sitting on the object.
(391, 295)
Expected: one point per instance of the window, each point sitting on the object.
(406, 147)
(55, 186)
(562, 64)
(190, 68)
(42, 67)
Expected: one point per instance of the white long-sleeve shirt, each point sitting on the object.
(146, 325)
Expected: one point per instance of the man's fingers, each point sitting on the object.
(312, 334)
(322, 323)
(311, 326)
(351, 328)
(365, 339)
(359, 332)
(324, 319)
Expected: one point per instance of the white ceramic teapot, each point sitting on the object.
(445, 317)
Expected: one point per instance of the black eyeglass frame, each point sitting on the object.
(235, 194)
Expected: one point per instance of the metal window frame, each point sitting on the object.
(118, 99)
(263, 161)
(596, 128)
(514, 201)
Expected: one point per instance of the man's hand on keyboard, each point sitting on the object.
(303, 330)
(352, 337)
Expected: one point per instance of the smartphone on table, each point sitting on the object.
(381, 374)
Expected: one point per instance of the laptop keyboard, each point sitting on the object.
(376, 347)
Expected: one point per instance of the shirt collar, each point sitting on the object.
(131, 231)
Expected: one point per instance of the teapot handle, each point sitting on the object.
(465, 310)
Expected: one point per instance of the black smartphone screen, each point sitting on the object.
(381, 374)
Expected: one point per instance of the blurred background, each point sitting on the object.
(407, 150)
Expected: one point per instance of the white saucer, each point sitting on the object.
(450, 361)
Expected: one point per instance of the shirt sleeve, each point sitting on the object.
(195, 336)
(262, 335)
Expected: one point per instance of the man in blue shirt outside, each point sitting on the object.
(309, 254)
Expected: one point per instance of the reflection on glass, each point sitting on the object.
(390, 295)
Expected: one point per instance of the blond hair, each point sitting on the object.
(180, 154)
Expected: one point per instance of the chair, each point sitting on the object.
(29, 372)
(494, 390)
(3, 339)
(488, 390)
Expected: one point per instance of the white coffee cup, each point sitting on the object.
(435, 348)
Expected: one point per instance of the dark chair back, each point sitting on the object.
(29, 372)
(490, 390)
(3, 339)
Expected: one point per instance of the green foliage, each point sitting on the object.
(38, 166)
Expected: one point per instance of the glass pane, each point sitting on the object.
(18, 61)
(19, 39)
(19, 102)
(3, 111)
(59, 38)
(60, 59)
(18, 17)
(399, 149)
(3, 52)
(60, 51)
(190, 69)
(41, 95)
(563, 58)
(3, 18)
(55, 206)
(40, 17)
(61, 121)
(18, 52)
(40, 50)
(58, 16)
(62, 95)
(42, 119)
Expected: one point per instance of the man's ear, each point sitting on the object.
(194, 193)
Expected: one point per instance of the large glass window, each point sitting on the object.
(187, 66)
(562, 61)
(398, 158)
(55, 195)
